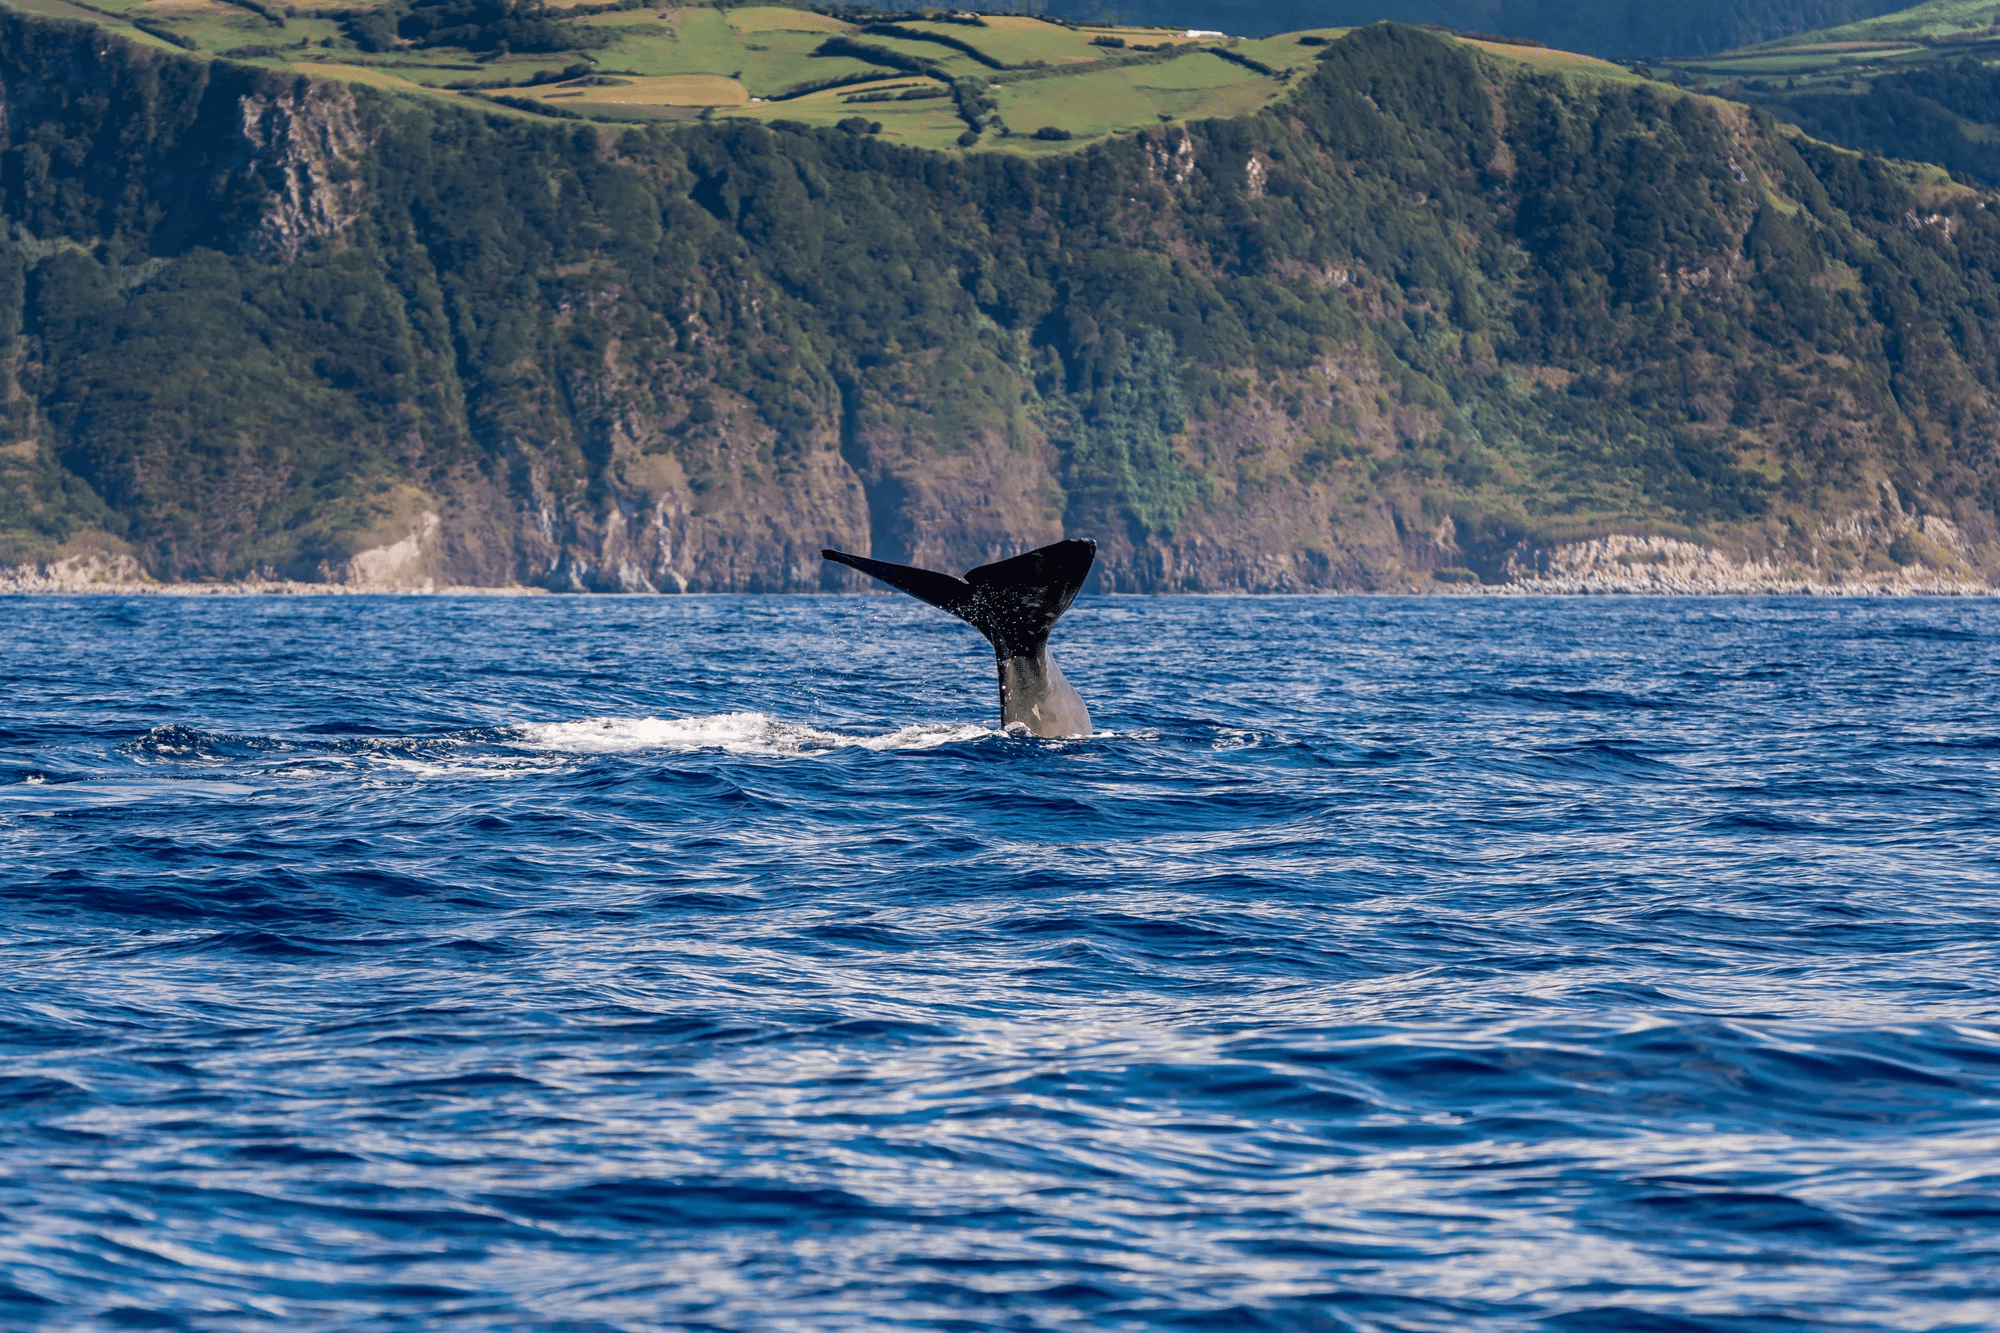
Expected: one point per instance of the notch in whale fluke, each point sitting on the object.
(1014, 603)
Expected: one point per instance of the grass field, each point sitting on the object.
(771, 18)
(932, 123)
(762, 62)
(676, 90)
(1563, 62)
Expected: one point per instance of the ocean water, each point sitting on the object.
(712, 963)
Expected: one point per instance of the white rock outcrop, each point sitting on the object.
(1664, 565)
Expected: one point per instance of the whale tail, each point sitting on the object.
(1013, 602)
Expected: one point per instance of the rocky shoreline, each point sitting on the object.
(1606, 566)
(121, 575)
(1663, 566)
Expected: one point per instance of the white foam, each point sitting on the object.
(736, 733)
(481, 766)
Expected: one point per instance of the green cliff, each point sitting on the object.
(1434, 315)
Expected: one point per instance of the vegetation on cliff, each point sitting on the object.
(1432, 310)
(1918, 84)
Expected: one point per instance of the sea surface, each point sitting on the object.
(713, 963)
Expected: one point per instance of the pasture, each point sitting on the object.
(997, 83)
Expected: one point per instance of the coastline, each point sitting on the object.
(1622, 566)
(1667, 567)
(122, 576)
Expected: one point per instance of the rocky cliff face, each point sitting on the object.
(305, 144)
(1428, 325)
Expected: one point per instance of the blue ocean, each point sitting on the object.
(714, 963)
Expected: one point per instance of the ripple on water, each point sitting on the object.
(715, 962)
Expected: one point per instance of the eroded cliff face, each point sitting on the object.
(305, 143)
(1383, 338)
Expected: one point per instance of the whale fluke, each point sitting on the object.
(1014, 603)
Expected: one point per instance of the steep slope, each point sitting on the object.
(1946, 111)
(1917, 84)
(1431, 317)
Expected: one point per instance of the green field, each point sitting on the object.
(998, 83)
(1557, 62)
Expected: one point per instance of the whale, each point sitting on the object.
(1014, 603)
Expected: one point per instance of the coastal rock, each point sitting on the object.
(409, 565)
(93, 571)
(1663, 565)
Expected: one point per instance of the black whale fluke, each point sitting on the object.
(1014, 603)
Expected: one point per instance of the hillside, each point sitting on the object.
(1616, 28)
(1918, 84)
(1433, 314)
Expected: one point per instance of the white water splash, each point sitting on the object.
(736, 733)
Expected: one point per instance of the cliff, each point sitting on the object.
(1434, 319)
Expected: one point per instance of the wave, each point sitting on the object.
(735, 733)
(499, 749)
